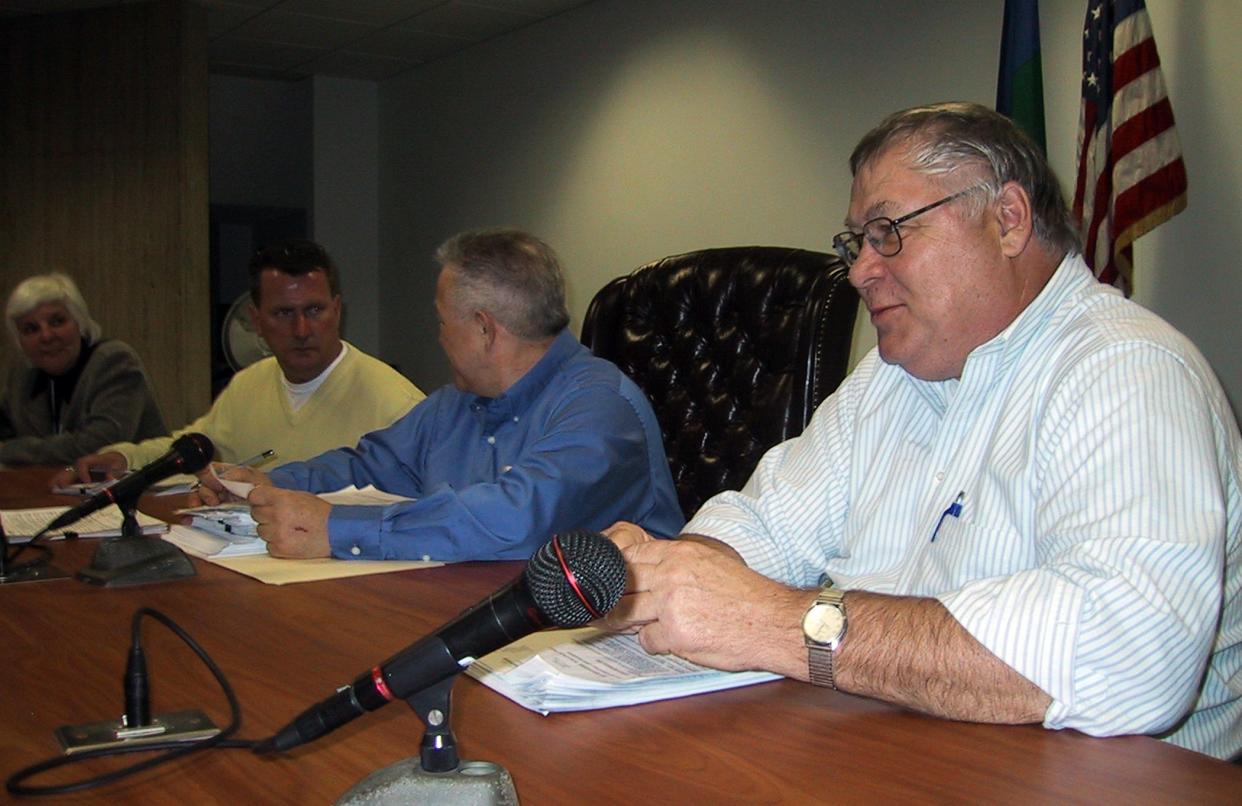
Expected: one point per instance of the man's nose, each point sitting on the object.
(867, 267)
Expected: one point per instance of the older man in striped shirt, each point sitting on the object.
(1024, 506)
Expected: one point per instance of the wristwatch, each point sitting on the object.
(823, 627)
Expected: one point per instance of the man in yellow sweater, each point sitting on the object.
(314, 394)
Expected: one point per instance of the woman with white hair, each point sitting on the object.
(70, 392)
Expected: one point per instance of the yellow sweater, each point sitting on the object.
(252, 414)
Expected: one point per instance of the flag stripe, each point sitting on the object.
(1140, 203)
(1131, 176)
(1152, 121)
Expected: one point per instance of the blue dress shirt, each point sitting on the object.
(573, 444)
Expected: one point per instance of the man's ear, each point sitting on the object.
(1015, 216)
(487, 325)
(255, 319)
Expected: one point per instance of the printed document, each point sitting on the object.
(586, 668)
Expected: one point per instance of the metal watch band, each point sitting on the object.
(820, 661)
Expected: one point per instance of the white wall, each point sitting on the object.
(345, 213)
(627, 130)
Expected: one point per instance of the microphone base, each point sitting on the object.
(123, 561)
(472, 783)
(178, 726)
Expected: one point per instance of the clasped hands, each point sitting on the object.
(694, 597)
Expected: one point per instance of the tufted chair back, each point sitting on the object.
(735, 347)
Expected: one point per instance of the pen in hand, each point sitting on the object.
(250, 462)
(256, 459)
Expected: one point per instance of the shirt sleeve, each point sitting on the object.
(139, 454)
(1116, 620)
(114, 410)
(787, 521)
(587, 469)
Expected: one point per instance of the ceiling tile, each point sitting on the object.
(281, 56)
(226, 17)
(301, 29)
(473, 23)
(531, 8)
(375, 12)
(365, 66)
(411, 45)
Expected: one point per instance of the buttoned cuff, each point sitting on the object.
(354, 532)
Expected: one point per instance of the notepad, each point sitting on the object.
(21, 524)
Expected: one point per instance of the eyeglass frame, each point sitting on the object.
(841, 240)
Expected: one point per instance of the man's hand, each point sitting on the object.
(701, 603)
(106, 465)
(626, 534)
(211, 492)
(294, 524)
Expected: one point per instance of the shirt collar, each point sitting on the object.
(1068, 279)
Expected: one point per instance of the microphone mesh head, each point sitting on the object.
(576, 577)
(194, 452)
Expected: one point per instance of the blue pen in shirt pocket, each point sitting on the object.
(954, 510)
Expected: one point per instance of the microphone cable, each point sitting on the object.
(136, 704)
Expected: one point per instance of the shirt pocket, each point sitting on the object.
(967, 550)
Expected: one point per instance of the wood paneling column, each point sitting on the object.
(103, 175)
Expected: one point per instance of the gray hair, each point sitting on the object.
(512, 275)
(41, 289)
(943, 138)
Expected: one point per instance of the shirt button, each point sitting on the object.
(491, 440)
(355, 551)
(515, 419)
(940, 477)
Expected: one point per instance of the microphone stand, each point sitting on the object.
(438, 775)
(135, 558)
(33, 570)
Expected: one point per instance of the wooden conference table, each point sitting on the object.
(64, 645)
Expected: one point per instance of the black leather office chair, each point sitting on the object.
(735, 347)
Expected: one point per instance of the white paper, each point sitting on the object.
(21, 524)
(205, 544)
(584, 669)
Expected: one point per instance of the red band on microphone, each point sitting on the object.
(377, 678)
(571, 579)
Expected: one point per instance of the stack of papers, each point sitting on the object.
(583, 669)
(225, 520)
(209, 545)
(229, 530)
(21, 524)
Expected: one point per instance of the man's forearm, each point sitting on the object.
(911, 651)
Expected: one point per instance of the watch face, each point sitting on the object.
(823, 623)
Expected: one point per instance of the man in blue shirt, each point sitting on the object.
(534, 436)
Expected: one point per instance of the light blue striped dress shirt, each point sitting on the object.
(1096, 550)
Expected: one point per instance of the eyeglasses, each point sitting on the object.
(882, 232)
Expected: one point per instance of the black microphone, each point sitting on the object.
(572, 579)
(189, 453)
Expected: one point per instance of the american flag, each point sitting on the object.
(1131, 177)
